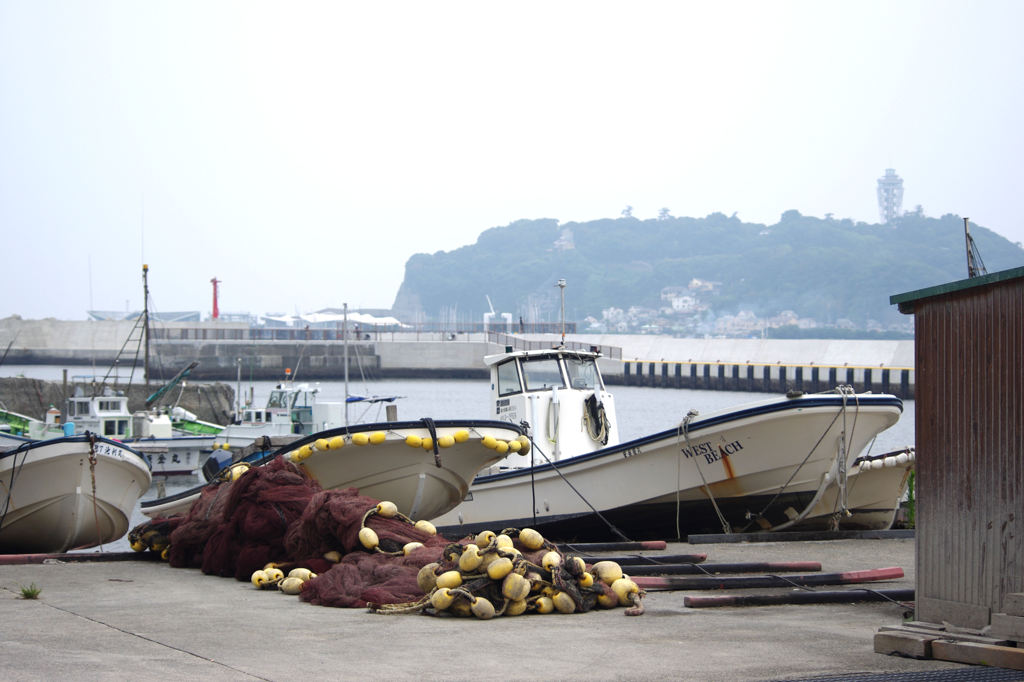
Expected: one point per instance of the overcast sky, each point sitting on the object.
(301, 152)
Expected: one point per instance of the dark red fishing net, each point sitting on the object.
(275, 513)
(332, 521)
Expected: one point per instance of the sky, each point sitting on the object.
(301, 152)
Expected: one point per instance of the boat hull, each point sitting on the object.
(762, 465)
(423, 485)
(68, 493)
(875, 488)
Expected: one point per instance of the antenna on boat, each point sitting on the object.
(145, 321)
(561, 286)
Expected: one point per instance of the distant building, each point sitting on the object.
(116, 316)
(890, 196)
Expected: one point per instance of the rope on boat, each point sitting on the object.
(684, 428)
(595, 419)
(554, 468)
(843, 389)
(92, 475)
(22, 449)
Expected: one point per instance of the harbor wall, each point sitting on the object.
(32, 397)
(227, 351)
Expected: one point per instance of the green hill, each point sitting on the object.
(823, 269)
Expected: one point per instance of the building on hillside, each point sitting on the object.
(890, 196)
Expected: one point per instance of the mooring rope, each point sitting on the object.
(92, 475)
(599, 515)
(684, 428)
(841, 412)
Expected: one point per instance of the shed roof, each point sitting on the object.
(906, 301)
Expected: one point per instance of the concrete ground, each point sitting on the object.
(143, 620)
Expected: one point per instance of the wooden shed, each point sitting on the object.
(969, 338)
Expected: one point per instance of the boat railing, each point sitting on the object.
(520, 343)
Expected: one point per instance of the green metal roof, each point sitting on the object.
(906, 301)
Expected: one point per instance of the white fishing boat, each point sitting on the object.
(760, 466)
(66, 493)
(150, 432)
(424, 467)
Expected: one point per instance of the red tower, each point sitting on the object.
(216, 311)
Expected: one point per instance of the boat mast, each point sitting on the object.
(561, 285)
(344, 335)
(145, 321)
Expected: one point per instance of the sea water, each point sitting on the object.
(640, 410)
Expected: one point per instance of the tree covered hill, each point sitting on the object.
(824, 269)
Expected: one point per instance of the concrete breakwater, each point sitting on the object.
(230, 352)
(767, 378)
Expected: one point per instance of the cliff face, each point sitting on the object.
(32, 397)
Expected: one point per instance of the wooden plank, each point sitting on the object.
(978, 654)
(1013, 604)
(1010, 627)
(958, 613)
(910, 644)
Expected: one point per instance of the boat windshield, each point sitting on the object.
(279, 399)
(582, 372)
(541, 373)
(508, 379)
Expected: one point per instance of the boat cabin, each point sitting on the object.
(560, 393)
(106, 415)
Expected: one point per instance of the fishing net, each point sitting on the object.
(238, 526)
(274, 518)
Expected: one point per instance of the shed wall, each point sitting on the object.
(970, 478)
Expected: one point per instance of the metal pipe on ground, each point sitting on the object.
(611, 546)
(743, 582)
(639, 559)
(813, 597)
(750, 567)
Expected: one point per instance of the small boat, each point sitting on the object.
(291, 409)
(149, 432)
(67, 493)
(424, 467)
(760, 466)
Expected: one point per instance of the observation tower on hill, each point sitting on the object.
(890, 196)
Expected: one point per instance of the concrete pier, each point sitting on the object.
(143, 620)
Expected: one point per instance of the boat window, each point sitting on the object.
(109, 427)
(541, 373)
(508, 378)
(582, 372)
(122, 427)
(278, 399)
(108, 405)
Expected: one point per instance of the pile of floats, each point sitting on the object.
(510, 573)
